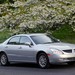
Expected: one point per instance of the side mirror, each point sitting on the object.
(28, 43)
(58, 40)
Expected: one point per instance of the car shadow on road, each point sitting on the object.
(32, 65)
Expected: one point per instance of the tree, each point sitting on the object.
(11, 1)
(2, 1)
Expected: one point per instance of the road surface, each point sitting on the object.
(33, 69)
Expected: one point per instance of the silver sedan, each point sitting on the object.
(36, 48)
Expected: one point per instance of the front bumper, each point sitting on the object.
(64, 58)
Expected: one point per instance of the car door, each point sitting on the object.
(27, 52)
(12, 48)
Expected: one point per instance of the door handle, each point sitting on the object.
(6, 47)
(20, 47)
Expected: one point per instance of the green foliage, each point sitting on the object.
(38, 16)
(46, 14)
(2, 1)
(4, 35)
(11, 1)
(65, 33)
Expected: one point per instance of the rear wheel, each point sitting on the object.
(4, 59)
(43, 60)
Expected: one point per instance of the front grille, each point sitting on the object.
(72, 59)
(74, 50)
(68, 51)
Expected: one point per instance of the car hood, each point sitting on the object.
(60, 46)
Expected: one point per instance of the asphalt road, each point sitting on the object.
(32, 69)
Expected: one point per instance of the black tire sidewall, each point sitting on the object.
(47, 64)
(71, 63)
(6, 59)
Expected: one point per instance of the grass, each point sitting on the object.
(4, 35)
(65, 34)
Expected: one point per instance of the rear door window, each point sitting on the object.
(14, 40)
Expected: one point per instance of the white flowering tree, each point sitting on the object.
(37, 15)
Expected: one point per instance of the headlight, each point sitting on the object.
(56, 51)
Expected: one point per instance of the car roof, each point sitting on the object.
(34, 34)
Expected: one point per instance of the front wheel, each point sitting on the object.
(43, 60)
(71, 63)
(4, 59)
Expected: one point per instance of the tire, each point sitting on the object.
(71, 63)
(4, 59)
(43, 61)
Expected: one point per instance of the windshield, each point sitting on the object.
(43, 39)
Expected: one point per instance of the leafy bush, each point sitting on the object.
(2, 1)
(39, 15)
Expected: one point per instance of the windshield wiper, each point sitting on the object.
(47, 42)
